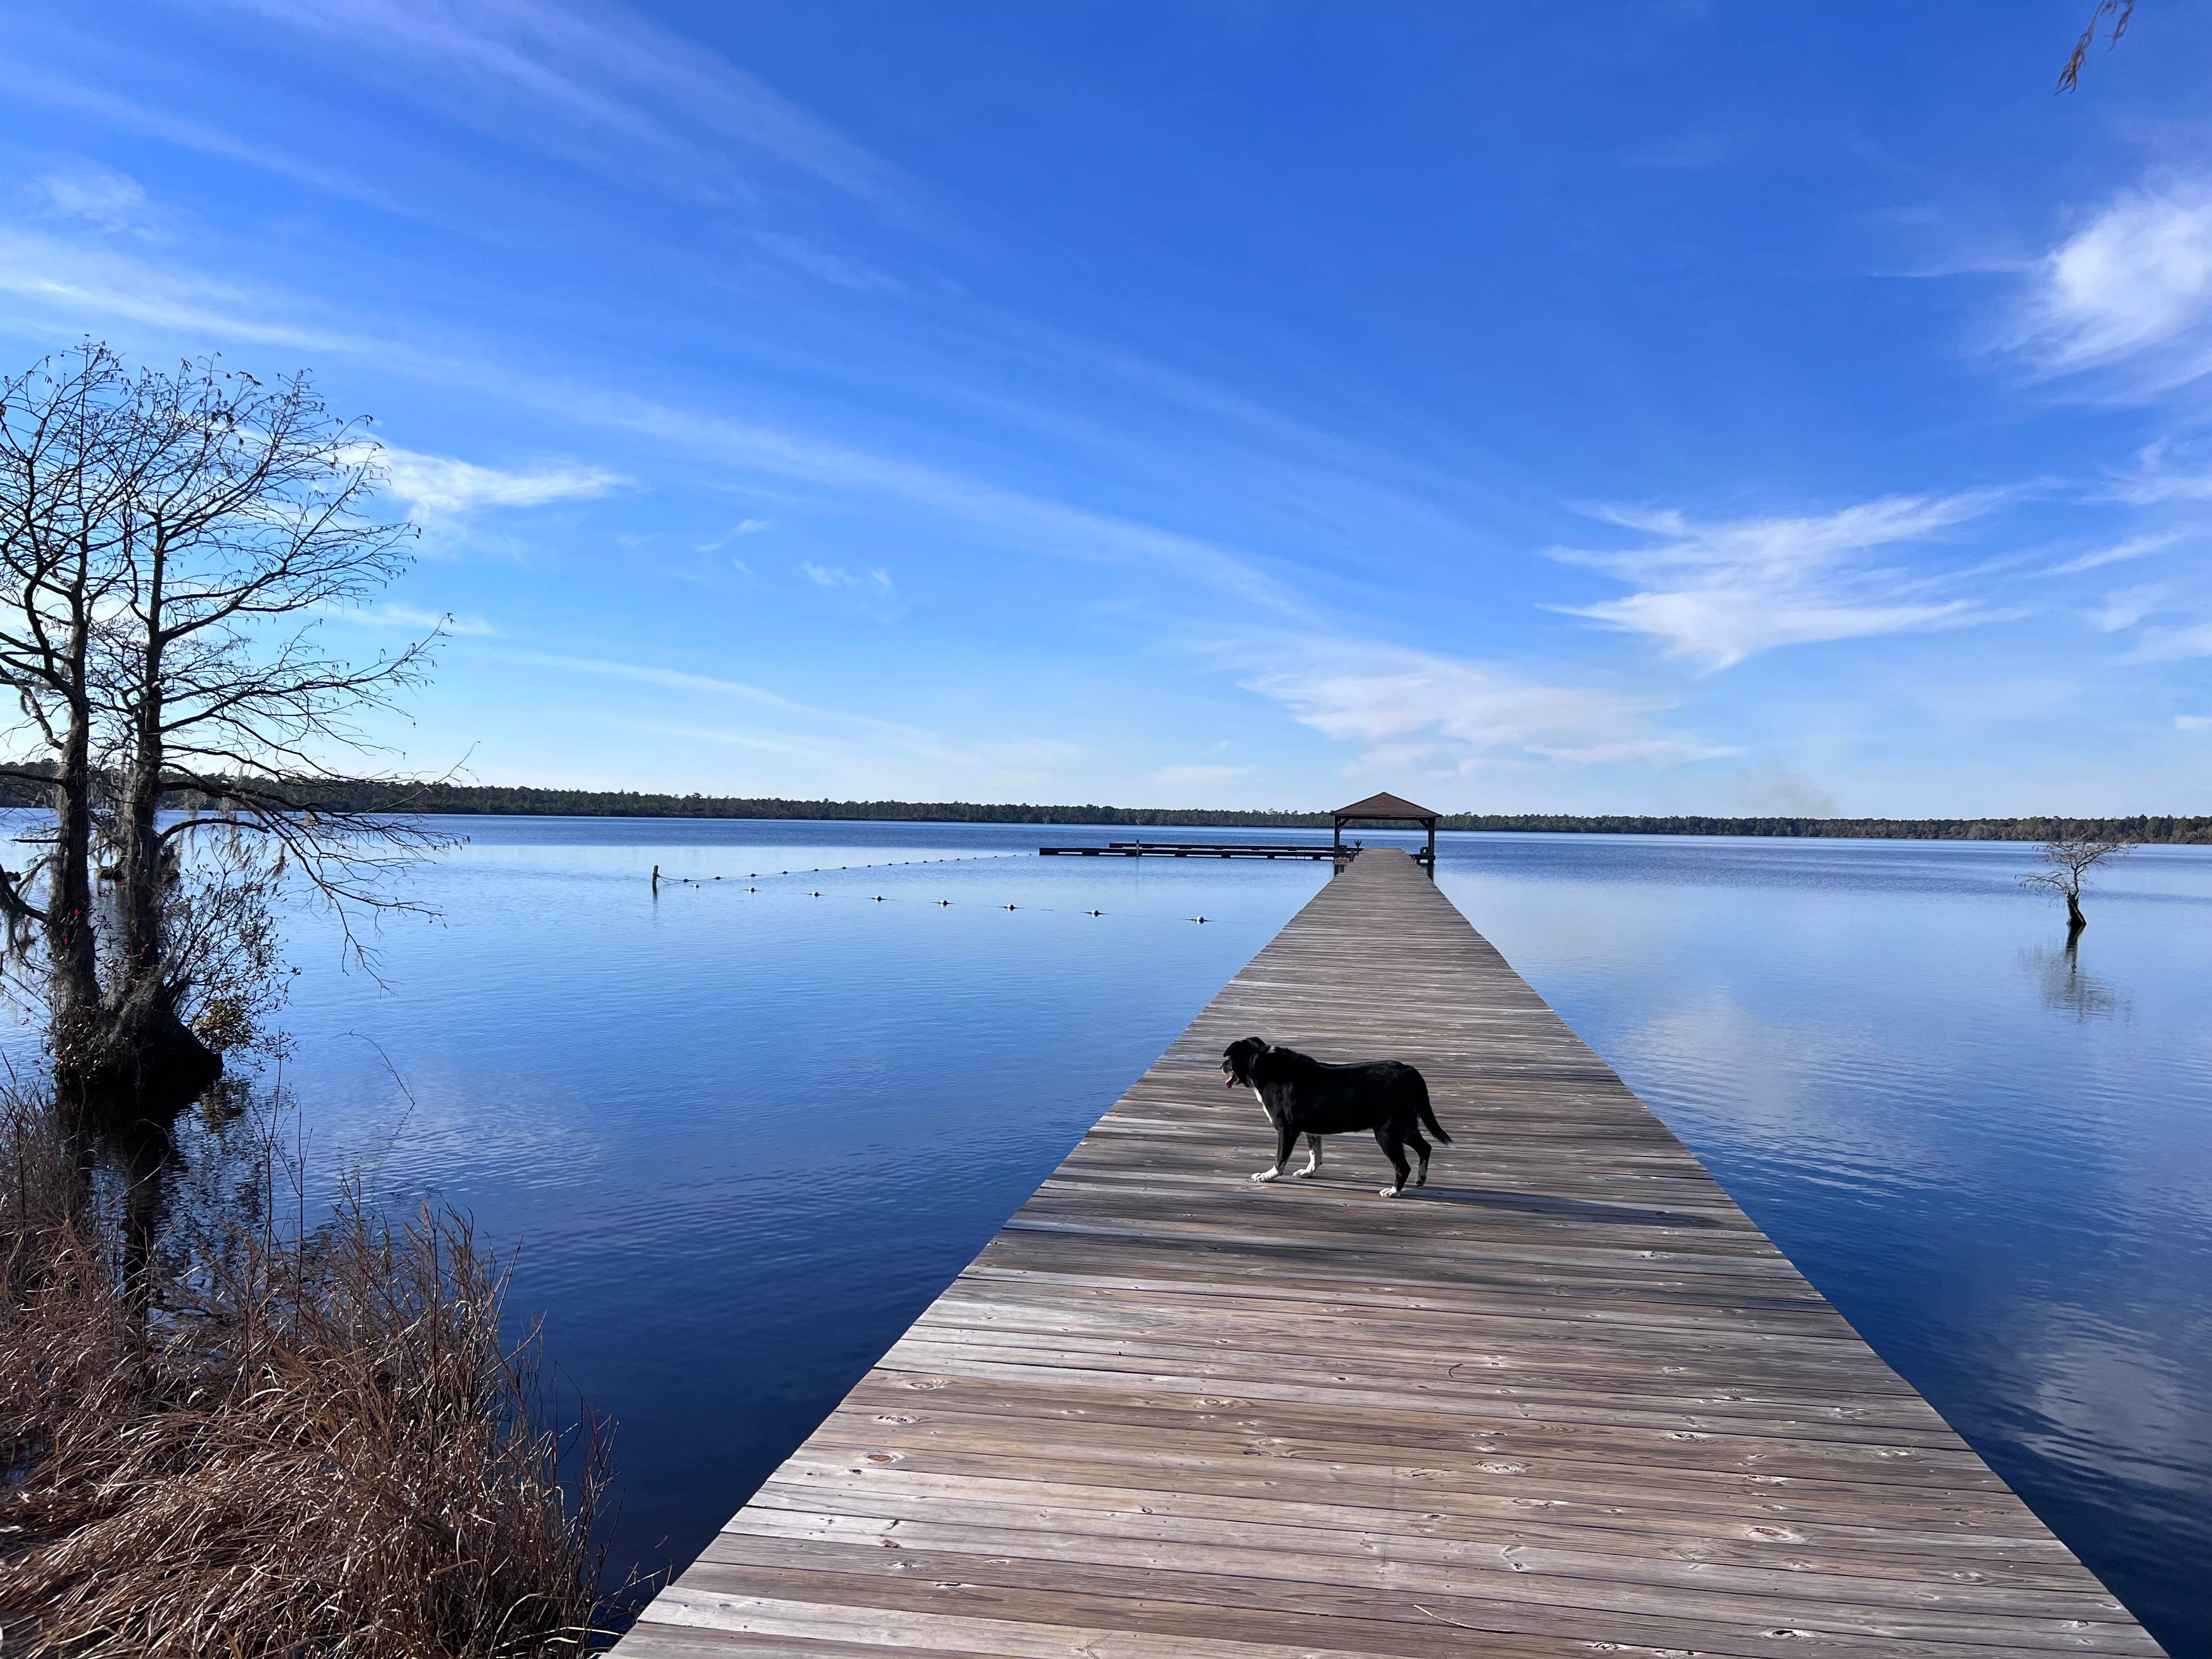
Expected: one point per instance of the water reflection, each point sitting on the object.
(1995, 1156)
(2067, 987)
(166, 1182)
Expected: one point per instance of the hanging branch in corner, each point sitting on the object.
(2121, 12)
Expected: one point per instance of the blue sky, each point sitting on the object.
(1588, 407)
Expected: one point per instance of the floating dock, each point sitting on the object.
(1201, 849)
(1567, 1401)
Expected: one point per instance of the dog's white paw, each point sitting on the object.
(1311, 1169)
(1389, 1192)
(1266, 1175)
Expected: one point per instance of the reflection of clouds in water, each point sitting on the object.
(1609, 930)
(2067, 987)
(408, 1149)
(2097, 1392)
(1785, 1091)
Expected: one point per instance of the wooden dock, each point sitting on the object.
(1202, 849)
(1567, 1401)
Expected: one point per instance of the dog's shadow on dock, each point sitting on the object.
(1564, 1209)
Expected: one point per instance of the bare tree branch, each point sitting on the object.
(2070, 859)
(171, 546)
(2121, 12)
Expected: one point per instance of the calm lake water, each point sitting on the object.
(741, 1135)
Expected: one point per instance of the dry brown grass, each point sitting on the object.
(274, 1445)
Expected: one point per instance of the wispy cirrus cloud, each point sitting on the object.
(46, 87)
(59, 285)
(2131, 289)
(811, 731)
(79, 189)
(998, 515)
(1722, 591)
(1199, 777)
(742, 527)
(2174, 468)
(436, 487)
(2175, 643)
(2123, 610)
(675, 679)
(2135, 547)
(598, 83)
(1414, 708)
(412, 619)
(837, 576)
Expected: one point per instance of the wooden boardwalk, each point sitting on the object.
(1567, 1401)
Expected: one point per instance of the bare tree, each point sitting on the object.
(2121, 12)
(2069, 859)
(173, 544)
(63, 483)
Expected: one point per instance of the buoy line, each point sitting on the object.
(1094, 913)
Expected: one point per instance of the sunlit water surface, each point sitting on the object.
(742, 1135)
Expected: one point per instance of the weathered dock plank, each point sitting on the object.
(1569, 1400)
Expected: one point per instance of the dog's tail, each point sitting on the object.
(1428, 1112)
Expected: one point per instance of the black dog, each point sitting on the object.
(1309, 1097)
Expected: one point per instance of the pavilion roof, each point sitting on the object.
(1385, 806)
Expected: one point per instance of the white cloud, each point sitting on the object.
(1416, 707)
(66, 283)
(678, 680)
(1178, 777)
(2136, 278)
(2173, 644)
(812, 731)
(841, 271)
(598, 83)
(2135, 547)
(1007, 518)
(47, 87)
(2123, 610)
(2169, 469)
(813, 746)
(742, 527)
(830, 575)
(1721, 591)
(79, 189)
(415, 621)
(61, 285)
(2193, 722)
(441, 487)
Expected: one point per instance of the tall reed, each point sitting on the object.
(262, 1441)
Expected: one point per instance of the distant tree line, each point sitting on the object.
(468, 799)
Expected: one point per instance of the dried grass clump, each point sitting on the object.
(276, 1445)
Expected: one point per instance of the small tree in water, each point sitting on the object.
(170, 544)
(2069, 859)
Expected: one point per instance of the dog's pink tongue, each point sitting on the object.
(1228, 1082)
